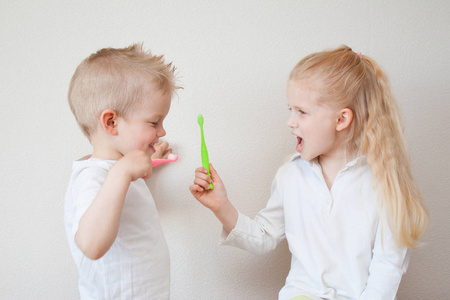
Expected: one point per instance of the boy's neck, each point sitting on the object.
(103, 150)
(105, 155)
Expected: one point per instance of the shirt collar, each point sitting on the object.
(295, 156)
(360, 159)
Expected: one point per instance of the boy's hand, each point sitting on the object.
(136, 164)
(162, 150)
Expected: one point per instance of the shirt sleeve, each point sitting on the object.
(265, 232)
(389, 263)
(88, 183)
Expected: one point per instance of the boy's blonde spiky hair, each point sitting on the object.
(117, 79)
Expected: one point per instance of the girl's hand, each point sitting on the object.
(136, 164)
(162, 150)
(213, 199)
(216, 199)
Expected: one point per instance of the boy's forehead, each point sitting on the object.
(157, 97)
(157, 101)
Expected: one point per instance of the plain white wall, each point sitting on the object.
(233, 59)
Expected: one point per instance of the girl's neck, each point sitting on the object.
(331, 165)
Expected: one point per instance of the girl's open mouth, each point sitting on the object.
(299, 147)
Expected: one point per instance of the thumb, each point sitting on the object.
(166, 154)
(214, 175)
(160, 148)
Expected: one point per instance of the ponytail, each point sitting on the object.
(385, 148)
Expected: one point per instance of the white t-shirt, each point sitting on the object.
(341, 248)
(137, 265)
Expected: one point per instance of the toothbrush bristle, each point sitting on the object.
(172, 157)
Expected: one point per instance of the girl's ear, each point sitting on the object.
(344, 120)
(108, 120)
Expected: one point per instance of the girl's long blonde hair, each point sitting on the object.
(357, 82)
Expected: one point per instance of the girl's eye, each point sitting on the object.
(299, 111)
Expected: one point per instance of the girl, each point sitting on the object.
(346, 202)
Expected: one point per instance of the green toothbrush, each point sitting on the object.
(205, 159)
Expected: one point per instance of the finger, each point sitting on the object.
(214, 175)
(203, 176)
(163, 146)
(166, 154)
(201, 170)
(202, 183)
(193, 188)
(196, 190)
(160, 148)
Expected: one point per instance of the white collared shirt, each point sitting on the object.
(341, 248)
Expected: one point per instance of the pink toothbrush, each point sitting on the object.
(159, 161)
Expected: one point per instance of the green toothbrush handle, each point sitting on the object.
(205, 158)
(205, 162)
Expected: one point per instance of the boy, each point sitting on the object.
(119, 98)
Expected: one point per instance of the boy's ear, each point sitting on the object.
(108, 121)
(344, 120)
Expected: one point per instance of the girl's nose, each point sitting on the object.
(290, 122)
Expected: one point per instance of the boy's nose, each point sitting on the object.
(161, 132)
